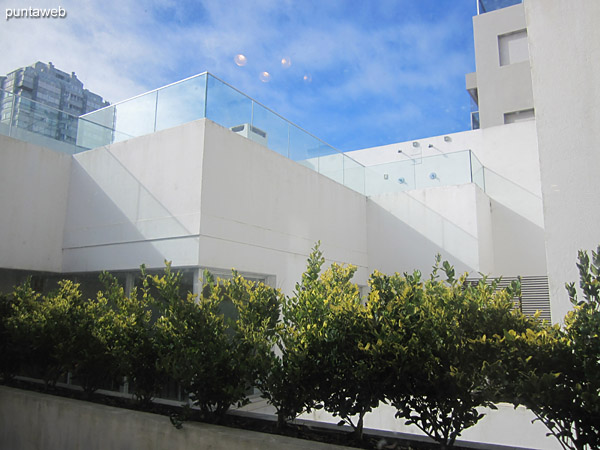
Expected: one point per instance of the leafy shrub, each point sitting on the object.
(133, 337)
(60, 333)
(201, 347)
(12, 346)
(441, 342)
(436, 349)
(559, 372)
(335, 327)
(285, 376)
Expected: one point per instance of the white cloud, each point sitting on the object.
(364, 70)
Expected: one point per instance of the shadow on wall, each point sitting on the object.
(519, 245)
(409, 238)
(518, 227)
(514, 197)
(115, 222)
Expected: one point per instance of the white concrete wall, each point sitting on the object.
(201, 195)
(407, 229)
(32, 421)
(262, 212)
(564, 45)
(501, 88)
(135, 202)
(508, 426)
(33, 200)
(512, 180)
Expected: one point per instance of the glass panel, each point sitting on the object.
(226, 106)
(31, 121)
(354, 175)
(35, 117)
(421, 173)
(135, 117)
(275, 127)
(443, 170)
(477, 171)
(332, 166)
(181, 103)
(514, 196)
(392, 177)
(492, 5)
(304, 148)
(67, 128)
(96, 128)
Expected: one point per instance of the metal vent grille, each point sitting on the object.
(535, 294)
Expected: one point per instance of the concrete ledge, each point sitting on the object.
(31, 421)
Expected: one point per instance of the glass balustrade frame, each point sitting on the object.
(206, 96)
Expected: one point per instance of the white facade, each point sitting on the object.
(186, 204)
(506, 231)
(199, 195)
(501, 85)
(202, 196)
(564, 43)
(34, 184)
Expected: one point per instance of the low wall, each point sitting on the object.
(30, 420)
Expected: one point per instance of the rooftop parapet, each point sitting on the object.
(205, 96)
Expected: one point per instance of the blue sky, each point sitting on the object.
(361, 73)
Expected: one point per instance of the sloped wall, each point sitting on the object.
(32, 421)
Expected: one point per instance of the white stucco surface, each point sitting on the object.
(502, 88)
(33, 200)
(201, 195)
(507, 426)
(564, 46)
(407, 229)
(135, 202)
(515, 226)
(262, 212)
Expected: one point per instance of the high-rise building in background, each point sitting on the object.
(27, 87)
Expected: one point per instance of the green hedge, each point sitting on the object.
(435, 348)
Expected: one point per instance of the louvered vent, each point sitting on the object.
(535, 295)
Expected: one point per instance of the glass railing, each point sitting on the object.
(484, 6)
(425, 172)
(204, 96)
(31, 121)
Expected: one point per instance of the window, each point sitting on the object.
(519, 116)
(513, 47)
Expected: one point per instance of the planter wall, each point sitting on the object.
(31, 421)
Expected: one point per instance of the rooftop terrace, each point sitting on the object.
(205, 96)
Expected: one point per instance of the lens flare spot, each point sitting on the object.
(265, 77)
(240, 60)
(286, 62)
(307, 78)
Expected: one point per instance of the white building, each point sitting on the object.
(166, 179)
